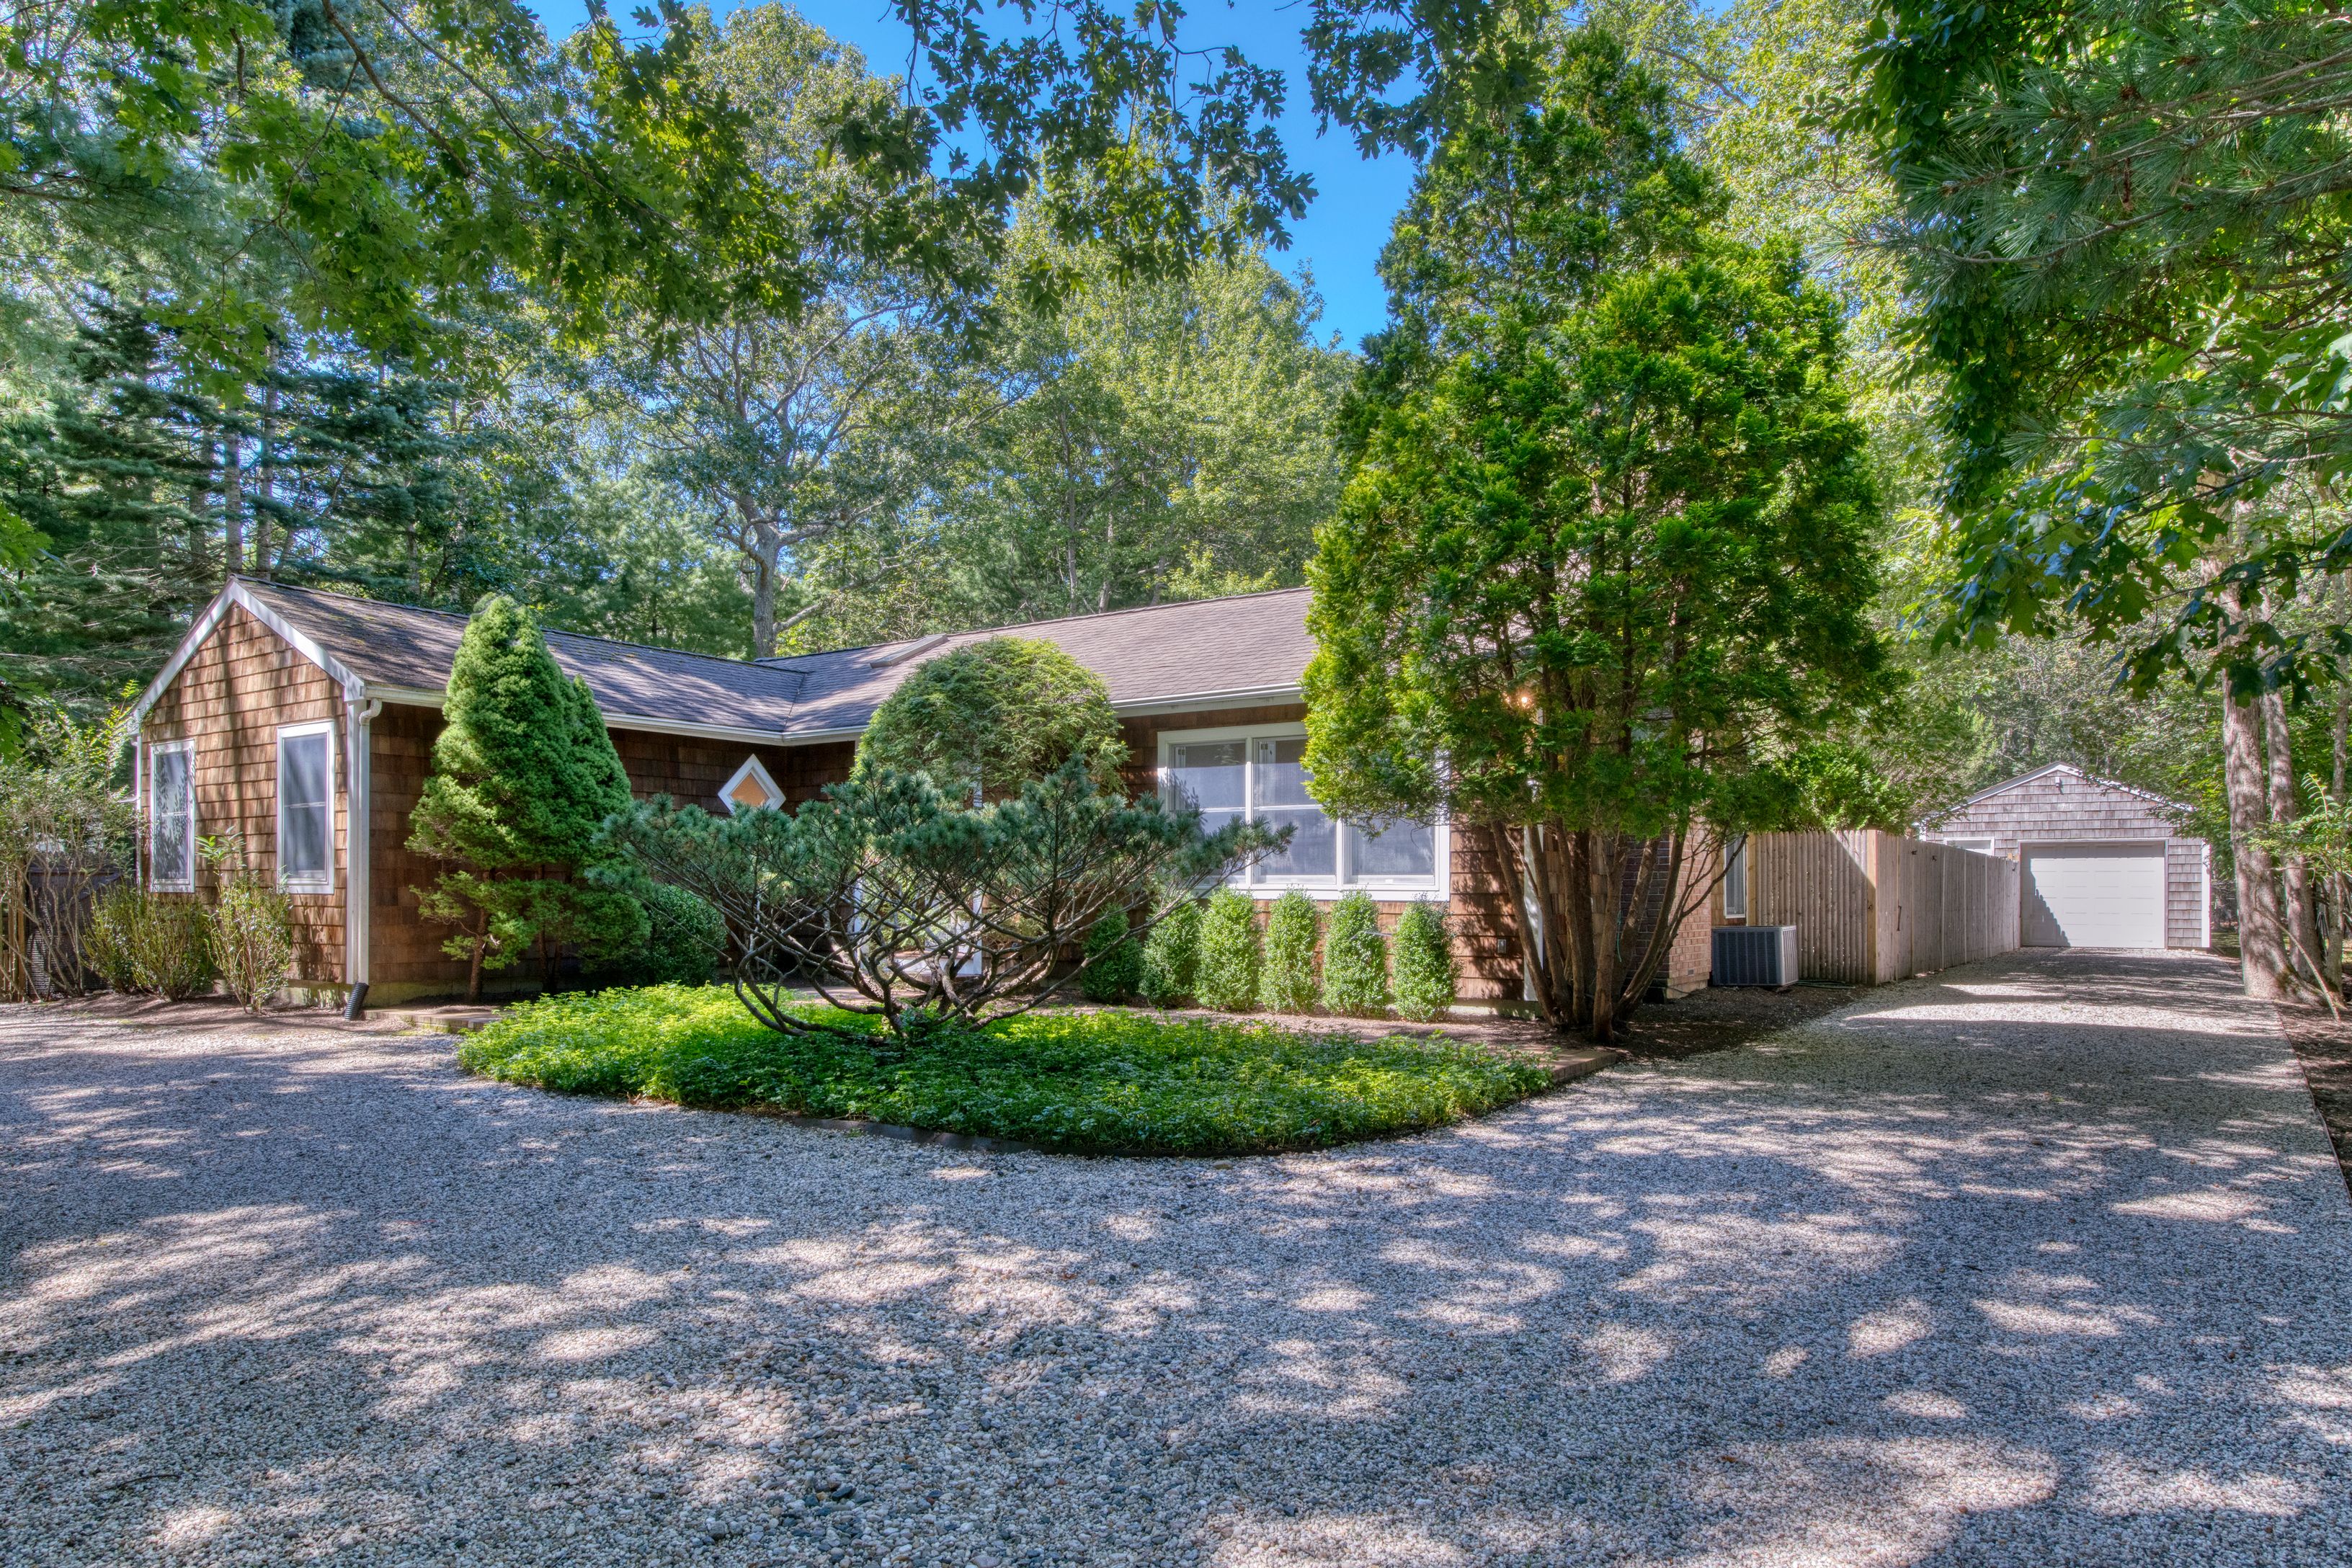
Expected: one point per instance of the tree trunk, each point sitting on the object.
(2301, 911)
(265, 470)
(233, 507)
(2261, 942)
(474, 971)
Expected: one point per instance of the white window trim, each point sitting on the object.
(752, 769)
(152, 751)
(1438, 891)
(1736, 849)
(324, 882)
(1979, 844)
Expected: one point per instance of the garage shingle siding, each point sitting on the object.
(2065, 804)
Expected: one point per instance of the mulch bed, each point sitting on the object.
(2324, 1047)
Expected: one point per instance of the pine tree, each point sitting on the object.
(1356, 959)
(523, 775)
(1288, 983)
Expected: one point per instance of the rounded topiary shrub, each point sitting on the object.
(1114, 970)
(1355, 960)
(685, 935)
(1425, 965)
(1171, 955)
(1287, 983)
(1230, 955)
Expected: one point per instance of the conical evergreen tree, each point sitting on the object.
(523, 773)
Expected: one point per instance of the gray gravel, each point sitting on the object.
(2047, 1262)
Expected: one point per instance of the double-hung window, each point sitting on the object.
(1258, 774)
(171, 816)
(306, 807)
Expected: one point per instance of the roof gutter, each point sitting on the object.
(425, 697)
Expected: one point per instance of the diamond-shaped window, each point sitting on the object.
(751, 789)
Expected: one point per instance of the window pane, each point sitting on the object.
(303, 811)
(1281, 781)
(305, 761)
(1399, 850)
(1735, 879)
(171, 843)
(1210, 775)
(1314, 847)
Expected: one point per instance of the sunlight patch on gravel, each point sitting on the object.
(2024, 1266)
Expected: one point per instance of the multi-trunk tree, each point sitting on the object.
(1602, 573)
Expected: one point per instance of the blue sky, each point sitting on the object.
(1337, 241)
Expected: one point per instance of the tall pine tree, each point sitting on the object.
(523, 775)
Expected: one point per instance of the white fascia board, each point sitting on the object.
(425, 697)
(1206, 702)
(236, 593)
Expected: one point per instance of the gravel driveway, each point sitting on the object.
(2043, 1262)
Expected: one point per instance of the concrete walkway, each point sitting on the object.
(2045, 1262)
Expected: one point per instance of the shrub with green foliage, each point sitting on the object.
(1287, 983)
(110, 946)
(154, 942)
(1425, 972)
(252, 923)
(523, 775)
(1172, 955)
(1355, 960)
(1114, 960)
(686, 937)
(1091, 1082)
(994, 716)
(1230, 953)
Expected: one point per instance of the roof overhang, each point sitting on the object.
(426, 696)
(357, 689)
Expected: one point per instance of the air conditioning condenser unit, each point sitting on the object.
(1755, 955)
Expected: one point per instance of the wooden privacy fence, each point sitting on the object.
(1871, 907)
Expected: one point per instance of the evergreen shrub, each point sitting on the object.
(1287, 983)
(1171, 955)
(1230, 953)
(141, 942)
(1113, 969)
(251, 924)
(1355, 960)
(1425, 972)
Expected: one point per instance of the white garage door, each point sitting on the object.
(2094, 895)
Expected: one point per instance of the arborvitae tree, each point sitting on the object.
(1114, 960)
(1288, 983)
(1425, 972)
(1172, 957)
(1355, 960)
(1230, 955)
(523, 775)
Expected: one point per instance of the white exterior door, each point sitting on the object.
(2094, 895)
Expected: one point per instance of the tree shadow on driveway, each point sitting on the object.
(2043, 1260)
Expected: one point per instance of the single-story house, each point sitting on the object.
(305, 720)
(2102, 864)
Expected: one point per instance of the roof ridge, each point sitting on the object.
(774, 660)
(546, 630)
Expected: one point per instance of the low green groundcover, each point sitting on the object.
(1101, 1082)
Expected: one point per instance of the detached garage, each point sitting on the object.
(2102, 864)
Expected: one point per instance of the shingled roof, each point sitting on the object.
(1251, 647)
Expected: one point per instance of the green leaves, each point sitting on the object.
(994, 716)
(2124, 225)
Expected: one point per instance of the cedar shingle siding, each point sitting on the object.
(2063, 804)
(230, 698)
